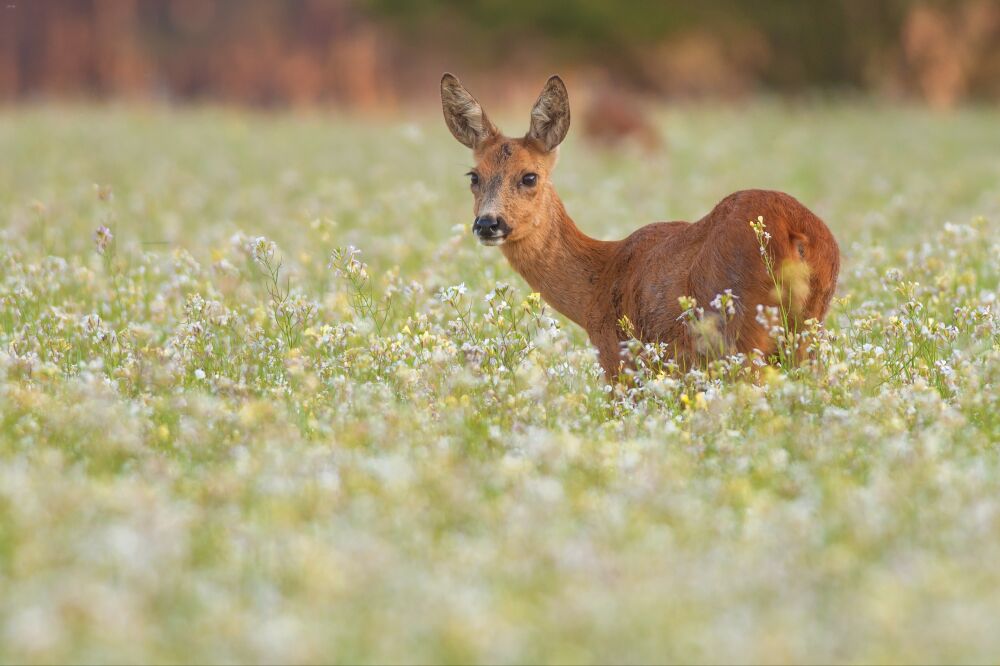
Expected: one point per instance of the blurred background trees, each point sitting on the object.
(381, 53)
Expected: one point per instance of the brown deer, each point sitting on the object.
(614, 118)
(598, 283)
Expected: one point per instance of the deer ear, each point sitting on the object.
(550, 115)
(463, 114)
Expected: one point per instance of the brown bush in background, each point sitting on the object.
(951, 50)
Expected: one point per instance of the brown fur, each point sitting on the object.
(595, 283)
(613, 118)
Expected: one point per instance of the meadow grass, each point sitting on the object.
(282, 407)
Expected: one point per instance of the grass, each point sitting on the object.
(292, 412)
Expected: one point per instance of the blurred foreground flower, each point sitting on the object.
(262, 250)
(103, 238)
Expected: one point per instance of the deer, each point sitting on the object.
(646, 278)
(612, 118)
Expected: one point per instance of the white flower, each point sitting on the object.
(103, 238)
(262, 250)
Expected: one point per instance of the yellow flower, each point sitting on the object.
(770, 375)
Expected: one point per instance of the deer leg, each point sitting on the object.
(608, 353)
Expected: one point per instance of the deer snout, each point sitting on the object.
(491, 229)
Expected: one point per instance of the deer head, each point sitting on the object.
(510, 182)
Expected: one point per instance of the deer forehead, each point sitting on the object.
(508, 156)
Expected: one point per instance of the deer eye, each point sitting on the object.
(473, 178)
(529, 179)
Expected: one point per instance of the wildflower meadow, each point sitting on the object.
(264, 398)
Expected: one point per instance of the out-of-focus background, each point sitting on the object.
(264, 398)
(379, 54)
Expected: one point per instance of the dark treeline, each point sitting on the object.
(370, 53)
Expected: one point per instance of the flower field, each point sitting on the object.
(264, 398)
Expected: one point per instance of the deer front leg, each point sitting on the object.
(608, 352)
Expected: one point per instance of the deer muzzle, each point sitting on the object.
(490, 229)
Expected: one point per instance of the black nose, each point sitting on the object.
(487, 225)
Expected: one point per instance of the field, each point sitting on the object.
(286, 408)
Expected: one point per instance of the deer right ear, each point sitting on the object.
(550, 115)
(463, 114)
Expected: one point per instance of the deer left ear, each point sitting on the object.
(464, 115)
(550, 115)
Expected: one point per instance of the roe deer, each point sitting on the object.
(596, 283)
(613, 118)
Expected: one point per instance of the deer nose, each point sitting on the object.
(487, 225)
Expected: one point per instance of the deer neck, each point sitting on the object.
(560, 262)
